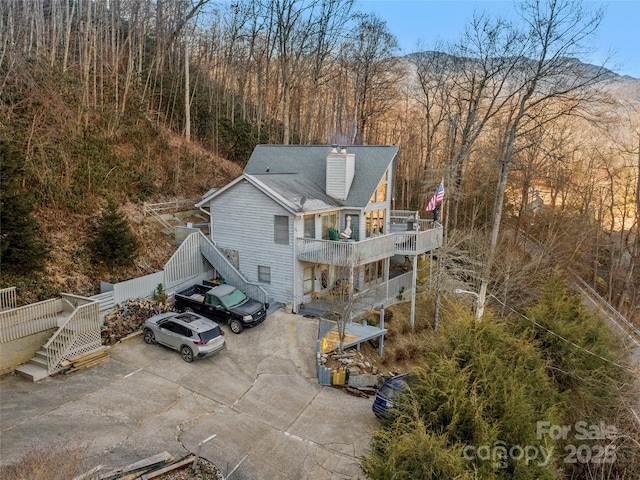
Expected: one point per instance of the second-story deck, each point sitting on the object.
(426, 236)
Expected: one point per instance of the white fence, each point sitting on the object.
(8, 298)
(187, 261)
(185, 267)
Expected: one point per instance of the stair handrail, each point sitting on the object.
(84, 319)
(229, 272)
(159, 218)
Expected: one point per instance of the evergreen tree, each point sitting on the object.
(21, 248)
(114, 243)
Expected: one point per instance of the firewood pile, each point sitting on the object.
(128, 318)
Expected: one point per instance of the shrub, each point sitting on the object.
(114, 243)
(59, 460)
(479, 385)
(488, 384)
(159, 294)
(21, 249)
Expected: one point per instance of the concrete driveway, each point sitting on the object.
(259, 396)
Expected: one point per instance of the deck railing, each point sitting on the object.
(395, 290)
(345, 253)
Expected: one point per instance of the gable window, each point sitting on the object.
(281, 229)
(380, 195)
(309, 226)
(264, 274)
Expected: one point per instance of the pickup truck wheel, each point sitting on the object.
(187, 354)
(149, 337)
(236, 326)
(188, 310)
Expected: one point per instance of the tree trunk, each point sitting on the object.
(187, 102)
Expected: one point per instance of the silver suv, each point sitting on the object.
(191, 334)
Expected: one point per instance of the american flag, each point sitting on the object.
(437, 197)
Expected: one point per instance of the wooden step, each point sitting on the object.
(32, 372)
(39, 361)
(42, 353)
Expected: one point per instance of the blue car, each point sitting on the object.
(388, 394)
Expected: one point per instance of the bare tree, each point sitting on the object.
(293, 25)
(537, 80)
(328, 30)
(369, 59)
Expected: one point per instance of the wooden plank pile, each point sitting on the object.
(85, 360)
(158, 466)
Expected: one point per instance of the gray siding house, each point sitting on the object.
(302, 220)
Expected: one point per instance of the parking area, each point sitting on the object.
(259, 396)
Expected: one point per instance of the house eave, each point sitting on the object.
(219, 191)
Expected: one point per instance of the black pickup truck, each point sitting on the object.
(223, 303)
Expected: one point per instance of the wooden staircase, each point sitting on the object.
(78, 332)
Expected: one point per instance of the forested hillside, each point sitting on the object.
(138, 100)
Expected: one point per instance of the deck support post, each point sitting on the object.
(381, 342)
(414, 278)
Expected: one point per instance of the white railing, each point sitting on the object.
(227, 271)
(8, 298)
(370, 250)
(157, 209)
(416, 243)
(345, 254)
(175, 205)
(79, 333)
(29, 319)
(397, 289)
(76, 300)
(186, 262)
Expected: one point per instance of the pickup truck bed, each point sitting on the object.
(223, 303)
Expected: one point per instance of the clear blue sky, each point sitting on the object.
(430, 21)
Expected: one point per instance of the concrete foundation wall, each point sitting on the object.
(19, 351)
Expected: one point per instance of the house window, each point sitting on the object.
(380, 195)
(281, 229)
(309, 226)
(373, 273)
(329, 220)
(382, 189)
(375, 222)
(264, 274)
(307, 280)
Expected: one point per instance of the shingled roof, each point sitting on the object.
(287, 173)
(292, 170)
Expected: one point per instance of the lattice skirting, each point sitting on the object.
(83, 344)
